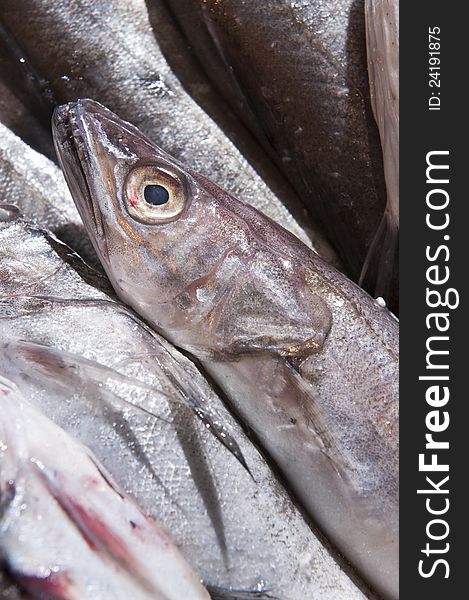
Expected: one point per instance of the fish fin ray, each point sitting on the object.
(194, 399)
(50, 362)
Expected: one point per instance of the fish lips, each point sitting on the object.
(75, 158)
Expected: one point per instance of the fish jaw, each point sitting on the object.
(69, 136)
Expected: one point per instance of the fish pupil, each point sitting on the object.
(156, 195)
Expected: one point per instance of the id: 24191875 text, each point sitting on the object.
(434, 45)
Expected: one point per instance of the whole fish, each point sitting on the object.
(382, 38)
(306, 358)
(108, 51)
(154, 422)
(67, 530)
(296, 73)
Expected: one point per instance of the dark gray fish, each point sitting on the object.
(25, 100)
(18, 118)
(308, 360)
(184, 64)
(296, 74)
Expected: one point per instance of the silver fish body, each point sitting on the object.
(382, 29)
(296, 74)
(67, 530)
(306, 358)
(99, 372)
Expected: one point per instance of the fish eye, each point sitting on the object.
(154, 194)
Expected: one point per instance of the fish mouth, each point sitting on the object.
(73, 153)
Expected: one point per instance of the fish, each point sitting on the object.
(382, 39)
(307, 359)
(68, 530)
(94, 368)
(296, 74)
(109, 51)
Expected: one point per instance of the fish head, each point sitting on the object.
(181, 251)
(137, 204)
